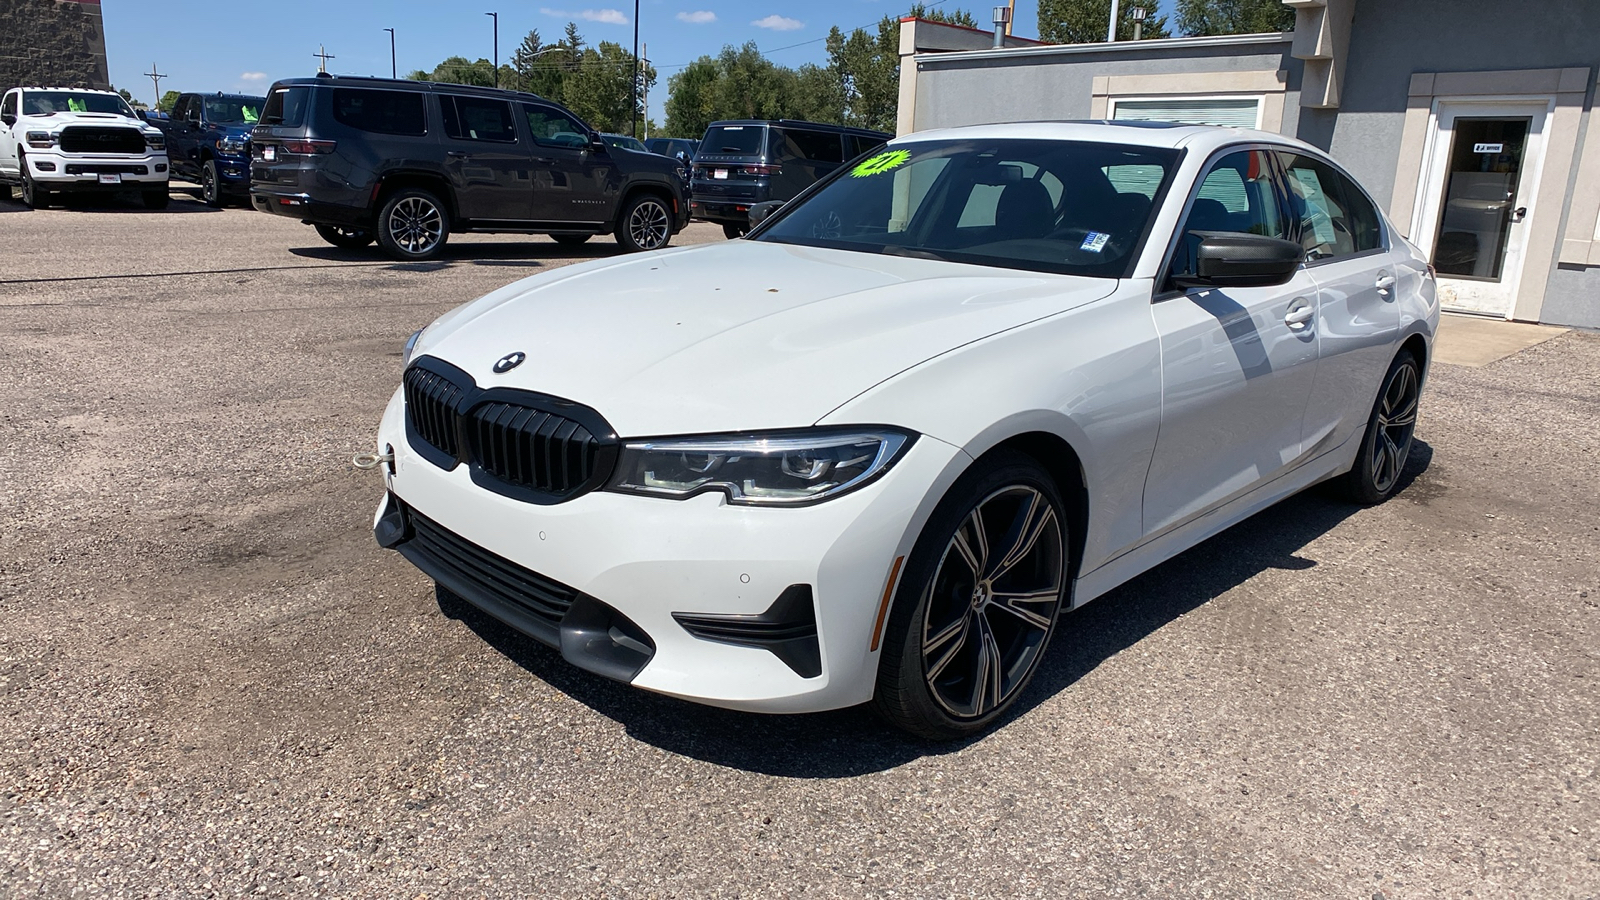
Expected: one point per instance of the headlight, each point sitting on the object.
(410, 348)
(785, 469)
(156, 140)
(231, 145)
(40, 139)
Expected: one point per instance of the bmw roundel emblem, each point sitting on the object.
(508, 362)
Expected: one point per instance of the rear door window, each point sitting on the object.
(1335, 218)
(286, 106)
(859, 144)
(815, 146)
(381, 112)
(478, 119)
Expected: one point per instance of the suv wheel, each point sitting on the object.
(645, 224)
(210, 185)
(413, 225)
(348, 238)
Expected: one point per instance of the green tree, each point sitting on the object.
(1084, 21)
(459, 70)
(1234, 16)
(691, 99)
(953, 17)
(601, 91)
(167, 101)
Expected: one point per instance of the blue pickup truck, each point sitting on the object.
(208, 142)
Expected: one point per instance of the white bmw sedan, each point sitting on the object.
(874, 450)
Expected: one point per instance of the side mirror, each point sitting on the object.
(682, 157)
(762, 211)
(1232, 259)
(141, 114)
(8, 118)
(597, 144)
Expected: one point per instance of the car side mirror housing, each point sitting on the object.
(762, 211)
(1234, 259)
(596, 143)
(141, 114)
(8, 118)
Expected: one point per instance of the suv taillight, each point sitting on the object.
(760, 170)
(307, 148)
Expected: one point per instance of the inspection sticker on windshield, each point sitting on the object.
(883, 162)
(1095, 241)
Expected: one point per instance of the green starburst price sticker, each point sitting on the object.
(883, 162)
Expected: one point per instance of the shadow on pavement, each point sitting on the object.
(855, 741)
(516, 255)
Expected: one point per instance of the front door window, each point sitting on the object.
(1480, 197)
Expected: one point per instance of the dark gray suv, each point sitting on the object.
(405, 163)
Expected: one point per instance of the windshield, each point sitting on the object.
(747, 139)
(234, 110)
(1069, 207)
(44, 103)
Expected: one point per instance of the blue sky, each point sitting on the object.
(216, 45)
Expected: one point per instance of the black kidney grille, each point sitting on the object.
(99, 139)
(531, 448)
(431, 402)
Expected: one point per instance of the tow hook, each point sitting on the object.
(374, 460)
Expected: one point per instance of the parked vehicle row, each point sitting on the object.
(208, 142)
(72, 140)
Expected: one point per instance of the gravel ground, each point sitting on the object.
(213, 682)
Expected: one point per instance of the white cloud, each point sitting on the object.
(604, 16)
(253, 76)
(778, 23)
(698, 17)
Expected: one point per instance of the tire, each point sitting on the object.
(210, 184)
(348, 238)
(33, 196)
(733, 232)
(413, 225)
(645, 224)
(956, 655)
(571, 240)
(157, 199)
(1381, 459)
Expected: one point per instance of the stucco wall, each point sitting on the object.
(1022, 86)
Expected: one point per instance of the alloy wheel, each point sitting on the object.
(208, 185)
(1396, 422)
(415, 225)
(992, 602)
(649, 226)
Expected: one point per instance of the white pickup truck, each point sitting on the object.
(71, 139)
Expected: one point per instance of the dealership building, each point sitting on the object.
(1470, 121)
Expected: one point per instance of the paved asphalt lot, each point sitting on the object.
(213, 683)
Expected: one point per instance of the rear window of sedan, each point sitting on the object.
(1069, 207)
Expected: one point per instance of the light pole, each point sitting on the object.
(635, 131)
(1137, 14)
(393, 72)
(1111, 32)
(496, 17)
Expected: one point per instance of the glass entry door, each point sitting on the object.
(1482, 178)
(1480, 197)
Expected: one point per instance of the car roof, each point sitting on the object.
(81, 90)
(1148, 134)
(376, 81)
(820, 126)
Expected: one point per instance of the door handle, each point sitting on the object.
(1385, 283)
(1519, 214)
(545, 160)
(456, 154)
(1300, 313)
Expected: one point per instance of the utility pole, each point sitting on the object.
(646, 86)
(1111, 32)
(393, 72)
(636, 68)
(323, 54)
(496, 17)
(156, 77)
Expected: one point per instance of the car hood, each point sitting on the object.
(737, 336)
(56, 121)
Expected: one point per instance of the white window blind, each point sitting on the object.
(1237, 112)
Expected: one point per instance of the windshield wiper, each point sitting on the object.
(909, 252)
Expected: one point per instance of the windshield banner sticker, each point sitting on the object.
(883, 162)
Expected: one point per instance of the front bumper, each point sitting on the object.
(53, 170)
(632, 563)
